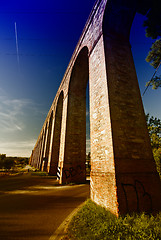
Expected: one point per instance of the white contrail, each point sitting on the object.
(18, 59)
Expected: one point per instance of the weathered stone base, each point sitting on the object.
(104, 185)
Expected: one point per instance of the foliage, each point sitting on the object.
(93, 222)
(2, 157)
(154, 56)
(154, 128)
(6, 162)
(157, 157)
(155, 82)
(153, 21)
(154, 125)
(153, 30)
(21, 161)
(9, 162)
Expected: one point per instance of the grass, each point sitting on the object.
(93, 222)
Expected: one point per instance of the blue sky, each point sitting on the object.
(47, 33)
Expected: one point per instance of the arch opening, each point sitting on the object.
(49, 128)
(53, 164)
(43, 148)
(74, 169)
(40, 152)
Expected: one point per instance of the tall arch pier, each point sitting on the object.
(123, 172)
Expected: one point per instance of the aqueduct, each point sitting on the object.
(123, 173)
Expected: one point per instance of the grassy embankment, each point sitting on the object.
(93, 222)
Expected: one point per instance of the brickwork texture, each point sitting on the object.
(123, 172)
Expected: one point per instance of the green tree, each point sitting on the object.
(153, 30)
(155, 82)
(153, 21)
(2, 158)
(154, 58)
(154, 127)
(8, 163)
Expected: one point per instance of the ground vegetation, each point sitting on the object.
(94, 222)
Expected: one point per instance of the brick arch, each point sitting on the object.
(75, 141)
(43, 147)
(55, 146)
(48, 141)
(40, 150)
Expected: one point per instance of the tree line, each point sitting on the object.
(8, 163)
(154, 128)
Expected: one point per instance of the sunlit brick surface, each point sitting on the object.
(123, 172)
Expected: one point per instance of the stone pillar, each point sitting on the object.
(50, 147)
(43, 148)
(48, 141)
(40, 152)
(62, 140)
(103, 180)
(56, 134)
(138, 184)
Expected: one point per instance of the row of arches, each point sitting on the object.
(47, 151)
(45, 156)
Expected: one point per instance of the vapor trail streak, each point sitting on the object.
(18, 59)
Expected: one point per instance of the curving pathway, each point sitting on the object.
(32, 208)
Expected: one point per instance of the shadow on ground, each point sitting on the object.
(33, 207)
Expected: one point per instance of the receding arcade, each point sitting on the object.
(123, 173)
